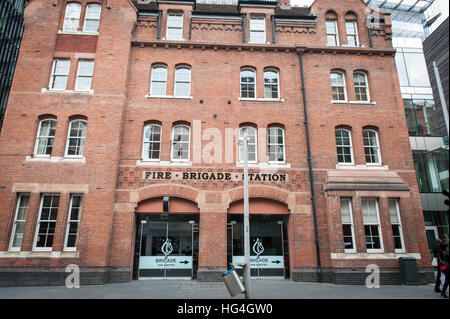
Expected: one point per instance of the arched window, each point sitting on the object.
(159, 79)
(182, 81)
(371, 147)
(271, 84)
(151, 147)
(361, 86)
(332, 28)
(252, 144)
(72, 17)
(248, 83)
(344, 146)
(180, 143)
(92, 17)
(45, 137)
(75, 138)
(338, 86)
(275, 143)
(351, 28)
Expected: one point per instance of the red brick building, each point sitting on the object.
(119, 151)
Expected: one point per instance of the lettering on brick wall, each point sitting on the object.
(213, 176)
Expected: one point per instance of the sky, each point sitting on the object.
(442, 3)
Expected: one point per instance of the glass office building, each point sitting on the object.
(11, 29)
(412, 22)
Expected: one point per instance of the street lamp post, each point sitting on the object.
(246, 220)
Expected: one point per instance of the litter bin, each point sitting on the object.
(233, 282)
(408, 271)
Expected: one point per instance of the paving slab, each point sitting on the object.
(182, 289)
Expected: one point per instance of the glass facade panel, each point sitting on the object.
(421, 117)
(431, 171)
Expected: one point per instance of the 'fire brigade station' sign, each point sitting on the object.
(215, 176)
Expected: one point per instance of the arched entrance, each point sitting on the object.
(166, 243)
(269, 245)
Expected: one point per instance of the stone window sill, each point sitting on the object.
(375, 255)
(78, 32)
(354, 102)
(260, 100)
(265, 165)
(162, 163)
(169, 97)
(55, 159)
(352, 166)
(39, 254)
(45, 90)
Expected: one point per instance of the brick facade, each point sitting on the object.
(131, 39)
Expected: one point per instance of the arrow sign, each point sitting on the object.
(184, 262)
(276, 261)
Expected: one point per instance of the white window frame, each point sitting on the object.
(345, 86)
(38, 136)
(350, 202)
(35, 248)
(399, 224)
(276, 144)
(366, 79)
(71, 4)
(172, 144)
(373, 250)
(86, 16)
(351, 147)
(356, 35)
(82, 138)
(14, 227)
(175, 28)
(69, 220)
(91, 76)
(278, 83)
(241, 130)
(258, 30)
(53, 74)
(144, 141)
(157, 66)
(336, 35)
(254, 82)
(380, 161)
(179, 81)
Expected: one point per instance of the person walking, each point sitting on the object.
(436, 248)
(443, 264)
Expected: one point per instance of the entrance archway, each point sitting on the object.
(166, 243)
(269, 244)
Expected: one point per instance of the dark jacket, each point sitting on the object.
(443, 257)
(436, 251)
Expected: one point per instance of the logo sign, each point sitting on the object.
(258, 248)
(162, 262)
(167, 248)
(262, 262)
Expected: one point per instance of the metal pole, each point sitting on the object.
(441, 95)
(246, 221)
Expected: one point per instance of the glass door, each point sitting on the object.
(267, 244)
(166, 248)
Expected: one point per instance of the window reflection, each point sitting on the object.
(421, 117)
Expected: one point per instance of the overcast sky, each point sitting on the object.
(442, 3)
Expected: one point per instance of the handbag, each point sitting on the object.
(444, 267)
(434, 263)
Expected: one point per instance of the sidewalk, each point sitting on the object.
(180, 289)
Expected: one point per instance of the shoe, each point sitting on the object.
(437, 290)
(444, 295)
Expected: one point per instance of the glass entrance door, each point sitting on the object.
(268, 244)
(167, 248)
